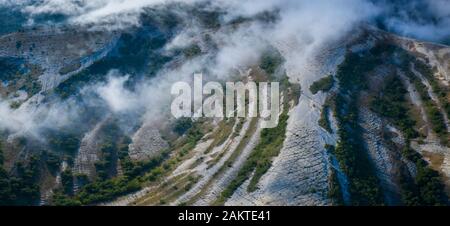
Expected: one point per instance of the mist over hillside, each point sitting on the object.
(85, 102)
(418, 18)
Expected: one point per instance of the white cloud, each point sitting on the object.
(309, 24)
(115, 94)
(423, 19)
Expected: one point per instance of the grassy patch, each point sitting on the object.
(431, 108)
(441, 91)
(170, 190)
(269, 147)
(222, 133)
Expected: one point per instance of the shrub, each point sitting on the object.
(182, 125)
(67, 181)
(323, 84)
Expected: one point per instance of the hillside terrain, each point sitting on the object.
(86, 117)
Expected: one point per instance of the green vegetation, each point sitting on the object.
(238, 128)
(404, 59)
(193, 135)
(222, 133)
(2, 158)
(324, 121)
(323, 84)
(10, 68)
(294, 90)
(440, 90)
(107, 190)
(209, 19)
(181, 150)
(431, 108)
(269, 147)
(105, 167)
(260, 159)
(24, 185)
(65, 142)
(20, 188)
(81, 179)
(350, 151)
(427, 188)
(60, 199)
(391, 103)
(334, 191)
(15, 104)
(20, 76)
(192, 51)
(99, 191)
(67, 181)
(170, 190)
(18, 45)
(182, 125)
(135, 173)
(107, 187)
(271, 60)
(112, 139)
(247, 136)
(229, 162)
(271, 140)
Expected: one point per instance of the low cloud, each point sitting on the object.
(417, 18)
(115, 94)
(309, 25)
(429, 20)
(30, 120)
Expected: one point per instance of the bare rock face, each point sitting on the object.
(88, 152)
(59, 52)
(146, 143)
(439, 58)
(299, 175)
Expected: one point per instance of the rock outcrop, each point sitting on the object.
(146, 143)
